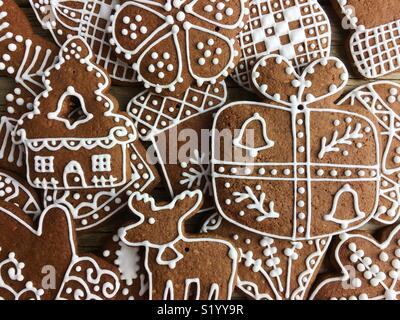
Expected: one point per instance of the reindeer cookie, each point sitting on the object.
(375, 40)
(90, 159)
(370, 268)
(16, 191)
(175, 44)
(179, 129)
(299, 168)
(88, 19)
(133, 277)
(382, 100)
(271, 269)
(180, 267)
(297, 30)
(24, 58)
(43, 264)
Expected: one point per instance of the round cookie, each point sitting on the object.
(271, 269)
(373, 55)
(89, 20)
(55, 270)
(382, 100)
(175, 44)
(301, 168)
(298, 30)
(164, 120)
(16, 191)
(369, 268)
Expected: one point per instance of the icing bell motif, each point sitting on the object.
(312, 169)
(89, 143)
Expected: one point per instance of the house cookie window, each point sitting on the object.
(101, 163)
(44, 164)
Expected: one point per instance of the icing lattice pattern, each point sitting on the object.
(299, 30)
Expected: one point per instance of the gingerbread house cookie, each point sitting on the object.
(87, 146)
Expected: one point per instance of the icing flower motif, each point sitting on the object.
(187, 42)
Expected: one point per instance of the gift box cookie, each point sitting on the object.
(300, 168)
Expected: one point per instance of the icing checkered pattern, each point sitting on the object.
(153, 113)
(377, 51)
(299, 30)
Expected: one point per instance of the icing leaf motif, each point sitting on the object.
(257, 203)
(348, 138)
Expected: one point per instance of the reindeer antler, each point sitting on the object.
(160, 224)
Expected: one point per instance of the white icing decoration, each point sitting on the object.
(190, 242)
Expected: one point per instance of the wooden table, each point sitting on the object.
(92, 241)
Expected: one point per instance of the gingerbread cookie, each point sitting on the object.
(180, 266)
(90, 160)
(382, 99)
(300, 168)
(90, 20)
(297, 30)
(132, 273)
(370, 268)
(179, 129)
(375, 40)
(92, 207)
(271, 269)
(16, 191)
(55, 271)
(175, 44)
(24, 58)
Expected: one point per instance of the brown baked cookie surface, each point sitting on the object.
(180, 131)
(133, 276)
(382, 100)
(297, 30)
(90, 20)
(180, 266)
(375, 39)
(299, 168)
(369, 268)
(24, 57)
(89, 158)
(15, 190)
(175, 44)
(44, 264)
(271, 269)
